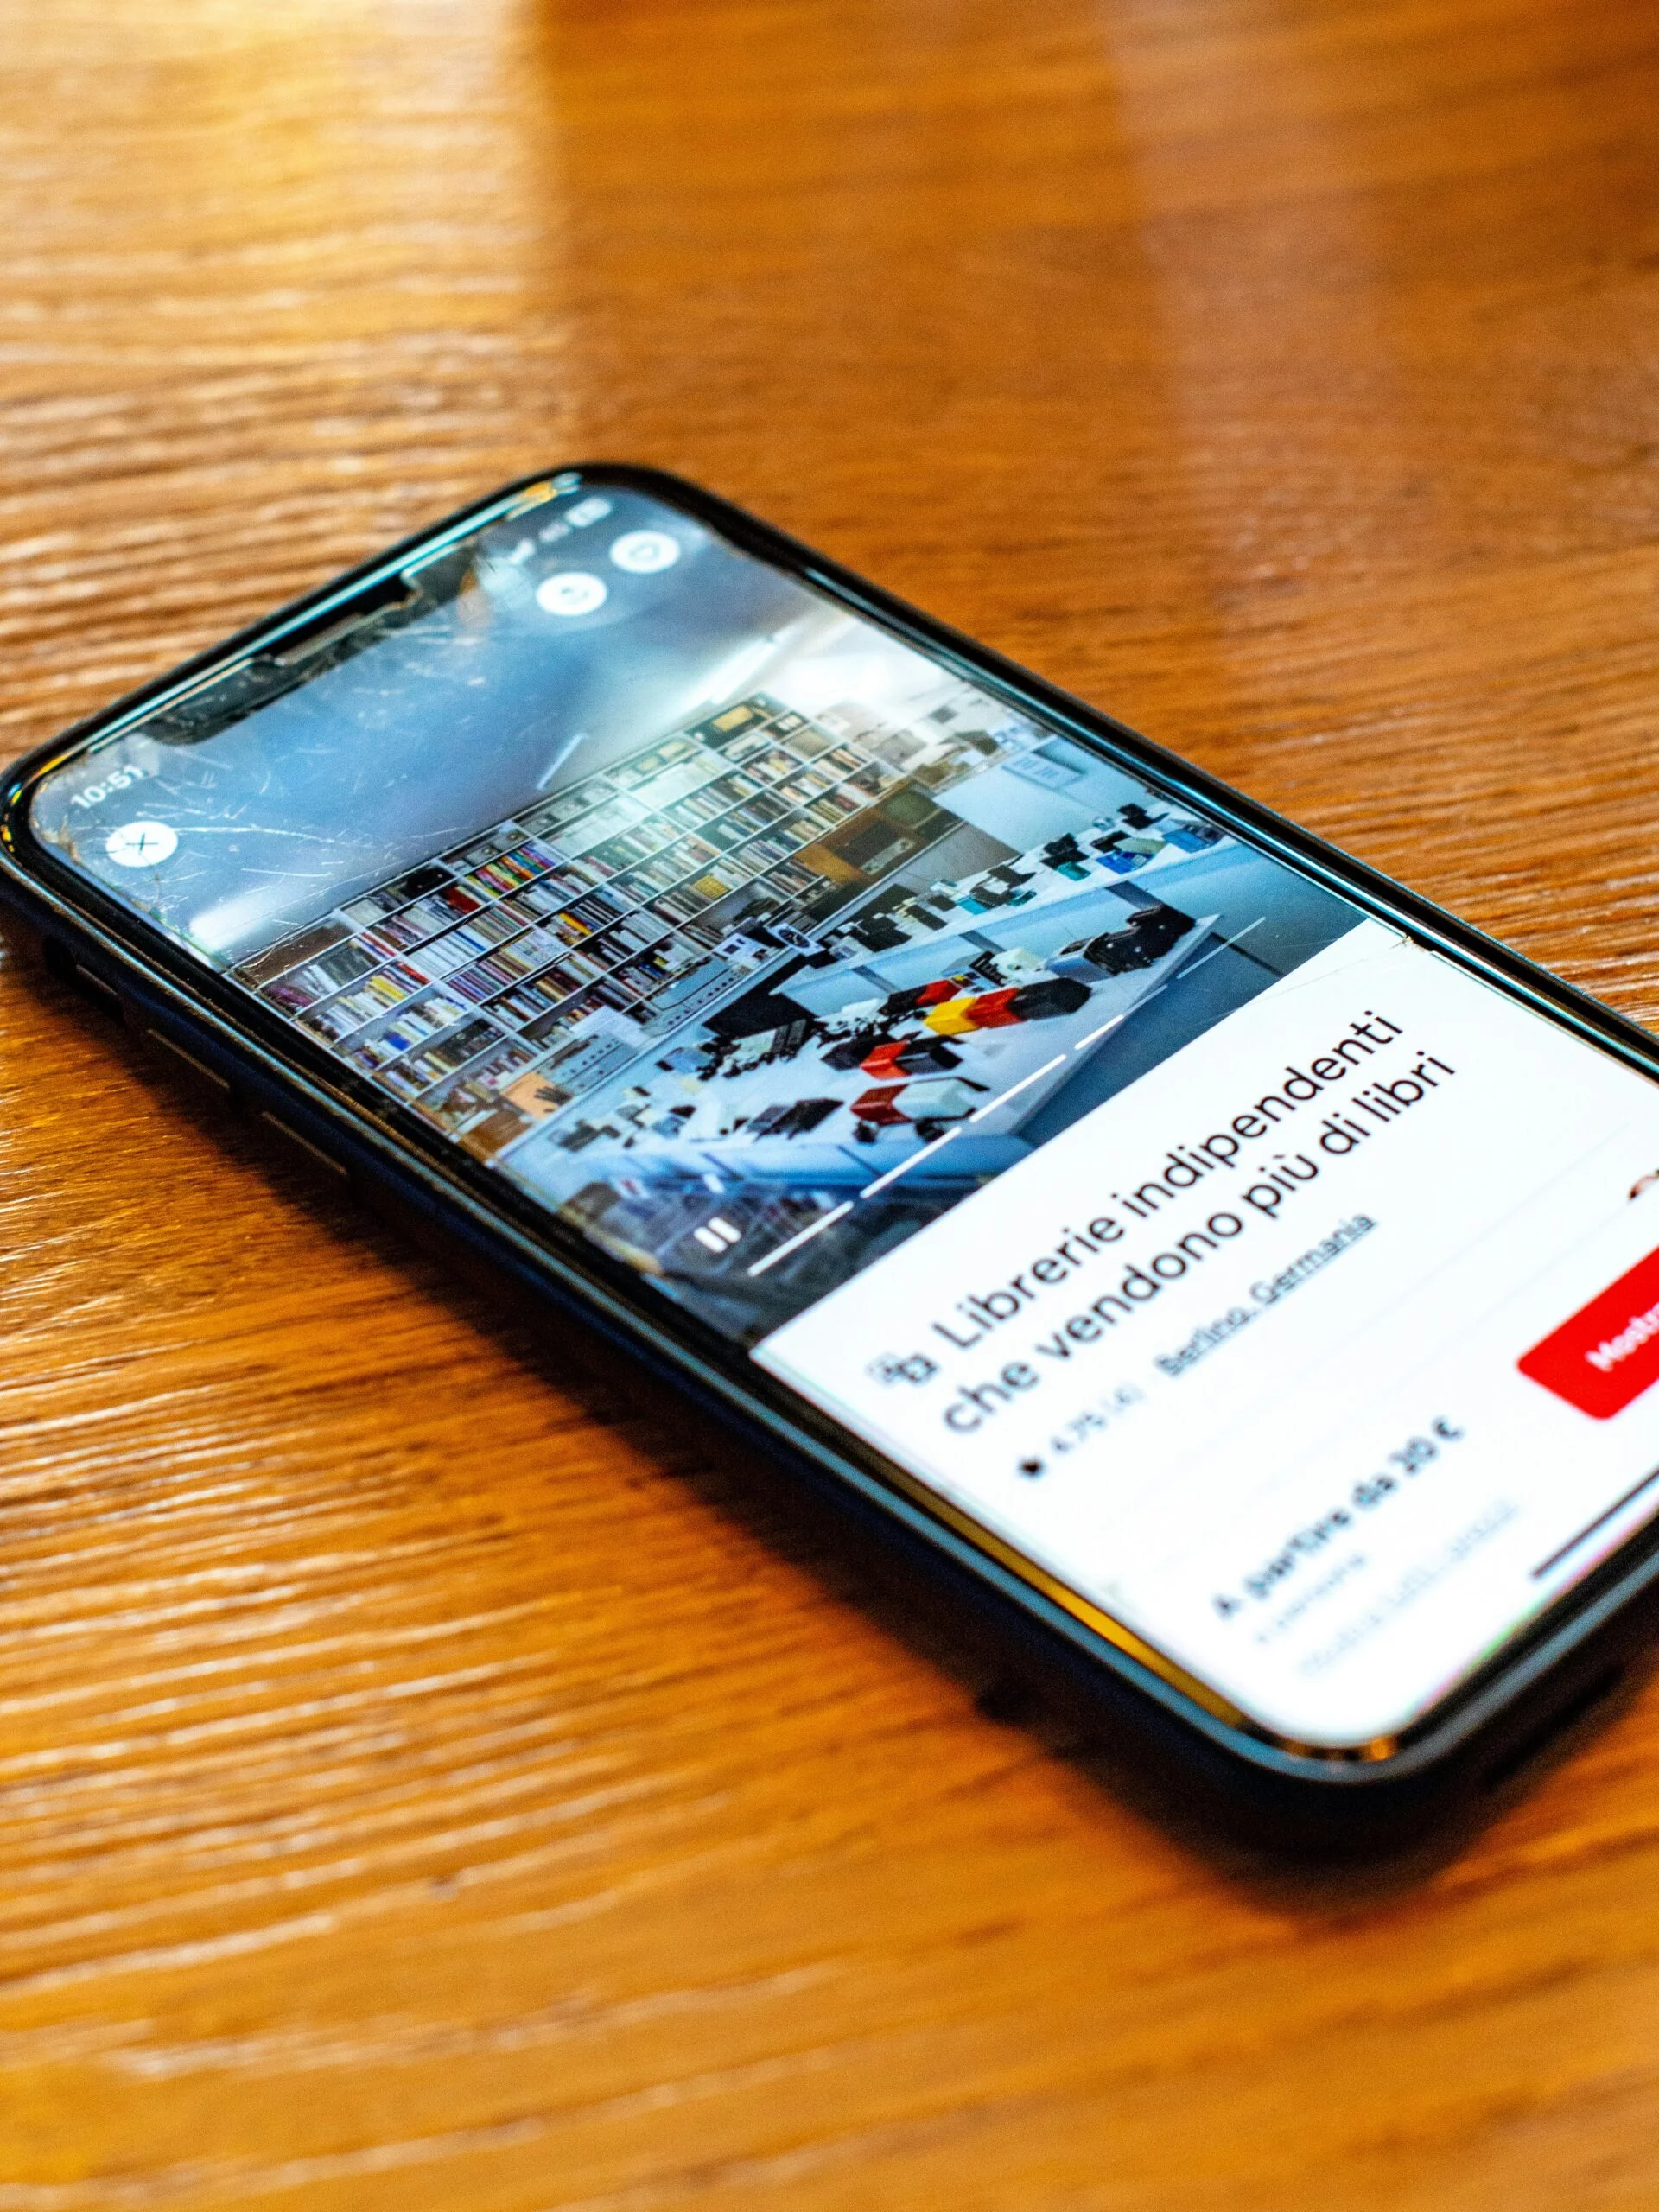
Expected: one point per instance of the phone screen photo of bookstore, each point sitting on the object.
(743, 936)
(984, 931)
(769, 990)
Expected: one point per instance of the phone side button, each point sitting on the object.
(100, 993)
(205, 1082)
(305, 1154)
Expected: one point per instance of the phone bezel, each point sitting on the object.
(674, 1337)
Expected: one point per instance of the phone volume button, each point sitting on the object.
(95, 987)
(201, 1078)
(312, 1156)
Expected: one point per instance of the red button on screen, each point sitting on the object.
(1608, 1353)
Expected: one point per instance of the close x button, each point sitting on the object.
(1608, 1353)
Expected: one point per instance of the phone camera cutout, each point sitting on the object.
(570, 592)
(140, 844)
(644, 552)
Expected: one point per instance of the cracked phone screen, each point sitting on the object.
(695, 903)
(1134, 1192)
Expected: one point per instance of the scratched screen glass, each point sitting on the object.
(620, 858)
(1055, 1139)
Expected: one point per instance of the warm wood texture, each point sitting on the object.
(431, 1776)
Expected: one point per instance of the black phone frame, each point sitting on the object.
(1300, 1795)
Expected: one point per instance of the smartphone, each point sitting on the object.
(1226, 1277)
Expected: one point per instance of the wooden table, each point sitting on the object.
(432, 1772)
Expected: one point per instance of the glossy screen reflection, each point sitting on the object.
(727, 927)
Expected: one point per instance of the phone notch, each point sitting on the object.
(337, 622)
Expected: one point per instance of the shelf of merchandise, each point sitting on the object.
(1080, 903)
(404, 985)
(1023, 1071)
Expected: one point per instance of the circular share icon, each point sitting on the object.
(570, 592)
(645, 552)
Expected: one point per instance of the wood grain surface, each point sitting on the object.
(434, 1773)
